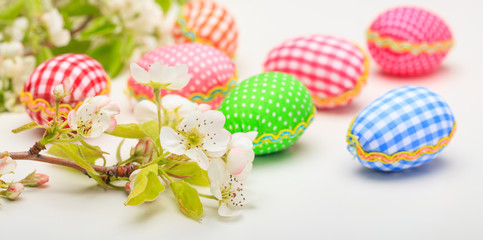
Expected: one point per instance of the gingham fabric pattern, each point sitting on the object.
(207, 22)
(413, 26)
(87, 77)
(402, 120)
(328, 66)
(208, 68)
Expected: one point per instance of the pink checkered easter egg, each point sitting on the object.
(408, 41)
(207, 22)
(212, 73)
(333, 69)
(87, 79)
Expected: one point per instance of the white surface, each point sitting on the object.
(314, 189)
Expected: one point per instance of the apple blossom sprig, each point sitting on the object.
(182, 146)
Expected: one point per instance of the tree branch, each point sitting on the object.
(112, 171)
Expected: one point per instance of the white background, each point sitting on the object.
(314, 189)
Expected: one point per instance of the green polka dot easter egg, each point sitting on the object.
(276, 105)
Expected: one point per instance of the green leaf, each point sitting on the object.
(197, 175)
(150, 129)
(98, 27)
(74, 46)
(146, 187)
(44, 54)
(90, 155)
(164, 4)
(79, 8)
(34, 9)
(79, 158)
(12, 11)
(26, 127)
(131, 130)
(188, 200)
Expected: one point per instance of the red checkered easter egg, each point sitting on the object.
(87, 79)
(207, 22)
(408, 41)
(212, 73)
(333, 69)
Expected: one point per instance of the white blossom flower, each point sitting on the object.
(170, 78)
(94, 116)
(54, 23)
(7, 164)
(16, 31)
(228, 189)
(240, 155)
(199, 136)
(11, 49)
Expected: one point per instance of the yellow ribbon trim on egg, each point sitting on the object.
(284, 133)
(42, 105)
(406, 46)
(352, 140)
(196, 97)
(349, 95)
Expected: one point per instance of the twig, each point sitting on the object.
(82, 26)
(112, 171)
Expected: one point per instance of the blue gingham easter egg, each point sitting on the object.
(404, 128)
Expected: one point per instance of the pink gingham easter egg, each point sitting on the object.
(212, 73)
(408, 41)
(87, 79)
(333, 69)
(207, 22)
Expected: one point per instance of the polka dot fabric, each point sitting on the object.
(333, 69)
(212, 73)
(207, 22)
(275, 104)
(87, 78)
(409, 41)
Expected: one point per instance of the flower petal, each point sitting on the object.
(100, 123)
(190, 121)
(217, 175)
(211, 120)
(172, 141)
(71, 119)
(237, 160)
(145, 111)
(216, 141)
(225, 211)
(199, 157)
(172, 102)
(139, 74)
(157, 72)
(181, 77)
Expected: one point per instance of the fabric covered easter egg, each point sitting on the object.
(212, 73)
(333, 69)
(404, 128)
(87, 79)
(408, 41)
(207, 22)
(275, 104)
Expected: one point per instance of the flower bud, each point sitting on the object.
(7, 164)
(144, 150)
(62, 90)
(35, 179)
(13, 191)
